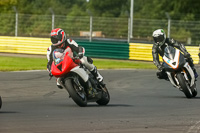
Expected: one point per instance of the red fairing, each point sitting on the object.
(67, 64)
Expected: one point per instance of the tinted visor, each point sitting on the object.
(54, 40)
(158, 39)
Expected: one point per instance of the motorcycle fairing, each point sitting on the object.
(189, 69)
(81, 72)
(170, 76)
(175, 80)
(173, 62)
(65, 66)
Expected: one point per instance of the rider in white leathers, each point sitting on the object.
(59, 40)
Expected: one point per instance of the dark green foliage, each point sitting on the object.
(149, 9)
(107, 8)
(109, 16)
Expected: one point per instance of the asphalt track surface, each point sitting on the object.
(140, 103)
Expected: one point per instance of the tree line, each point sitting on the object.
(186, 10)
(149, 9)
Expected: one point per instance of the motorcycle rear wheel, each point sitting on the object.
(185, 87)
(76, 94)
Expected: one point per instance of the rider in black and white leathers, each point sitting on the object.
(68, 43)
(158, 49)
(59, 40)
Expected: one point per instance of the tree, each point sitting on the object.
(178, 9)
(106, 8)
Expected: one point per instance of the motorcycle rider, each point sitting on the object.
(59, 40)
(160, 42)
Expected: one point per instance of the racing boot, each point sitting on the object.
(98, 76)
(58, 83)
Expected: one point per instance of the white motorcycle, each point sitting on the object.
(179, 71)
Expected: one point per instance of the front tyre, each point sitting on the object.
(185, 87)
(194, 90)
(76, 94)
(194, 93)
(105, 98)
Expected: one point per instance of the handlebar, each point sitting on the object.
(76, 59)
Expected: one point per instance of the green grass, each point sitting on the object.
(122, 64)
(28, 63)
(22, 63)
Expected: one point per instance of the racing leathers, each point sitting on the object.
(159, 50)
(87, 61)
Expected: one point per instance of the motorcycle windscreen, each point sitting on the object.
(58, 55)
(170, 52)
(169, 55)
(63, 67)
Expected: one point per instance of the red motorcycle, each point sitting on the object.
(81, 85)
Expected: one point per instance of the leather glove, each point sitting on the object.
(80, 55)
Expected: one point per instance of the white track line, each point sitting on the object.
(195, 128)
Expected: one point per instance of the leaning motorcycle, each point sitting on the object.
(81, 85)
(179, 71)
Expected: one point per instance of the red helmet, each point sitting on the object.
(57, 37)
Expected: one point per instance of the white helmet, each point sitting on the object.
(159, 37)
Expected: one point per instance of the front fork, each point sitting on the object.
(173, 79)
(90, 90)
(76, 81)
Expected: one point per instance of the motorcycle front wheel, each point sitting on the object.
(76, 94)
(185, 87)
(194, 90)
(105, 98)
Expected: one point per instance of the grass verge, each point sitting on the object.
(28, 63)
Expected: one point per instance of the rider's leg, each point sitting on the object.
(88, 62)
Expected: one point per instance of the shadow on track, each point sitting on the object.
(110, 105)
(94, 105)
(8, 112)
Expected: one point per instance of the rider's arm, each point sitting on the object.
(49, 58)
(75, 47)
(156, 57)
(179, 46)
